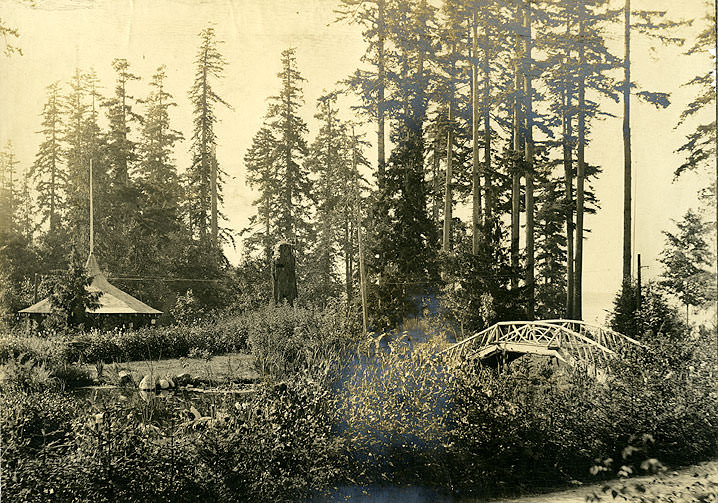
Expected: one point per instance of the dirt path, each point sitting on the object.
(695, 483)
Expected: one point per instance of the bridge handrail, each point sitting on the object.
(551, 324)
(598, 327)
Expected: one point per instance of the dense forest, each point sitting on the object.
(483, 108)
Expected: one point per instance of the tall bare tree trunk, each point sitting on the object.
(568, 187)
(448, 195)
(213, 194)
(381, 161)
(581, 174)
(530, 307)
(436, 187)
(358, 224)
(488, 185)
(475, 171)
(516, 175)
(627, 143)
(715, 4)
(348, 273)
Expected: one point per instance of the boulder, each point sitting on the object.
(183, 379)
(148, 383)
(164, 384)
(124, 378)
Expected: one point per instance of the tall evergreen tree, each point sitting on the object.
(261, 166)
(594, 61)
(77, 159)
(9, 189)
(157, 173)
(371, 85)
(48, 171)
(653, 24)
(205, 176)
(687, 259)
(404, 253)
(550, 248)
(577, 72)
(26, 209)
(294, 186)
(121, 148)
(119, 247)
(325, 160)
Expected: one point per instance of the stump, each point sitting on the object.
(284, 278)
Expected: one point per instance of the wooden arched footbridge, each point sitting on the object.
(572, 342)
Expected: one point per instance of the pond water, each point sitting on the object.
(204, 401)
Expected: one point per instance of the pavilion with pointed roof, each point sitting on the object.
(113, 302)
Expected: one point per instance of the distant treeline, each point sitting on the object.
(484, 104)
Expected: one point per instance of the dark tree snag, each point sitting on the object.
(284, 278)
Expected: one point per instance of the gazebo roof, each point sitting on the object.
(112, 301)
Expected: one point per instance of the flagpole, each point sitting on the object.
(92, 216)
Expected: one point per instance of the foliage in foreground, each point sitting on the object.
(399, 418)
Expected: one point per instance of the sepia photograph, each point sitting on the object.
(372, 251)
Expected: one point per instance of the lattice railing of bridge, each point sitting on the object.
(570, 341)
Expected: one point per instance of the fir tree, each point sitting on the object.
(48, 171)
(325, 160)
(70, 298)
(157, 173)
(9, 188)
(550, 249)
(371, 85)
(687, 259)
(261, 165)
(121, 149)
(205, 176)
(294, 188)
(77, 159)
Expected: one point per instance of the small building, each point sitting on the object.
(117, 308)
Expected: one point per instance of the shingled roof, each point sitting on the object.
(112, 301)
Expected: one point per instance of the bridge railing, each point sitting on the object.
(569, 339)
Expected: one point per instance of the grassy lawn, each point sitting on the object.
(231, 367)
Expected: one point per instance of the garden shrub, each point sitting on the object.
(221, 335)
(50, 349)
(392, 416)
(332, 417)
(36, 429)
(284, 339)
(278, 446)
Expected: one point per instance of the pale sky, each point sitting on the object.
(58, 35)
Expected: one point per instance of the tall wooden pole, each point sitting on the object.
(92, 215)
(638, 279)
